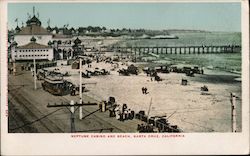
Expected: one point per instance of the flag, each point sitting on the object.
(28, 16)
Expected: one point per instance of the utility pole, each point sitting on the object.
(80, 88)
(233, 113)
(34, 70)
(14, 68)
(71, 107)
(72, 117)
(149, 108)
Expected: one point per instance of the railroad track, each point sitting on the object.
(99, 120)
(13, 118)
(46, 123)
(30, 112)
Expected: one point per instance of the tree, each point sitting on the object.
(104, 28)
(82, 29)
(90, 28)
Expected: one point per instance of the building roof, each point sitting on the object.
(33, 30)
(33, 39)
(34, 20)
(49, 29)
(17, 28)
(77, 41)
(33, 45)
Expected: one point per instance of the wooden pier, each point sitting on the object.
(179, 49)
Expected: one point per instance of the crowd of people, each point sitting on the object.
(122, 113)
(145, 128)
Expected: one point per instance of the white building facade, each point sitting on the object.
(32, 51)
(31, 42)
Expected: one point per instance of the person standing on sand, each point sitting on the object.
(143, 90)
(117, 112)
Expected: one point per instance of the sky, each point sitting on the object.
(157, 16)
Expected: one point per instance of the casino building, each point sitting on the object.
(31, 51)
(33, 28)
(36, 42)
(31, 42)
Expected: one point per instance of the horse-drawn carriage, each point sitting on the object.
(130, 70)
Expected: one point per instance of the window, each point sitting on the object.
(32, 55)
(47, 55)
(47, 50)
(15, 51)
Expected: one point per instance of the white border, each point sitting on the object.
(63, 144)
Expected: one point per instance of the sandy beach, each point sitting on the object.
(184, 106)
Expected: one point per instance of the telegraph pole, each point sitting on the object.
(71, 107)
(34, 62)
(149, 106)
(149, 109)
(72, 117)
(14, 68)
(233, 112)
(80, 88)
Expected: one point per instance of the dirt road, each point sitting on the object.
(28, 111)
